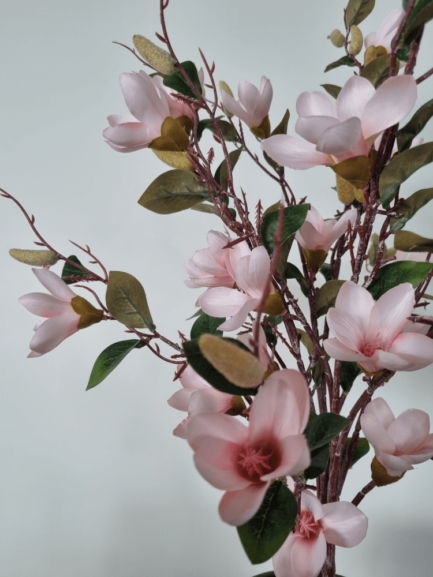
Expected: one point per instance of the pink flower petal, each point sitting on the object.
(45, 305)
(335, 349)
(308, 237)
(395, 466)
(353, 97)
(258, 273)
(311, 127)
(180, 430)
(376, 434)
(262, 108)
(131, 134)
(235, 108)
(409, 430)
(204, 260)
(294, 153)
(233, 255)
(370, 40)
(308, 556)
(249, 96)
(388, 29)
(54, 284)
(415, 349)
(282, 560)
(311, 503)
(192, 380)
(180, 399)
(389, 314)
(393, 100)
(380, 409)
(143, 99)
(389, 360)
(116, 119)
(238, 507)
(218, 426)
(53, 331)
(340, 138)
(340, 227)
(222, 302)
(345, 327)
(237, 320)
(209, 401)
(344, 524)
(315, 103)
(295, 457)
(351, 293)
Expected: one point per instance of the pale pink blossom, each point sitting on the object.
(374, 333)
(251, 276)
(195, 397)
(385, 34)
(253, 104)
(60, 320)
(215, 266)
(243, 460)
(150, 103)
(413, 256)
(398, 442)
(319, 234)
(304, 551)
(336, 131)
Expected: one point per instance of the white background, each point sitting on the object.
(93, 484)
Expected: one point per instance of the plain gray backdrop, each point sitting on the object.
(93, 484)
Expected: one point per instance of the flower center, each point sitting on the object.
(254, 462)
(308, 527)
(368, 349)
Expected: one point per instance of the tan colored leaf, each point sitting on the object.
(238, 366)
(264, 130)
(274, 305)
(374, 249)
(327, 296)
(377, 69)
(356, 170)
(127, 302)
(205, 207)
(314, 258)
(89, 315)
(411, 242)
(174, 159)
(345, 190)
(172, 191)
(410, 206)
(380, 476)
(358, 10)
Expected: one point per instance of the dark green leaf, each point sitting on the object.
(319, 462)
(202, 125)
(344, 61)
(332, 89)
(403, 54)
(196, 359)
(324, 428)
(263, 535)
(376, 70)
(70, 270)
(349, 372)
(206, 324)
(306, 341)
(109, 359)
(326, 271)
(406, 134)
(280, 129)
(275, 320)
(196, 314)
(267, 574)
(362, 448)
(294, 217)
(228, 132)
(317, 374)
(423, 14)
(221, 174)
(410, 206)
(401, 168)
(291, 271)
(178, 82)
(396, 273)
(358, 10)
(327, 296)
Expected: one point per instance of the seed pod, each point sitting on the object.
(34, 257)
(356, 42)
(224, 87)
(157, 57)
(337, 38)
(369, 55)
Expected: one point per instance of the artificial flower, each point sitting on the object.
(385, 34)
(318, 234)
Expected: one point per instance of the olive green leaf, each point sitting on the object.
(396, 273)
(306, 341)
(356, 170)
(332, 89)
(421, 17)
(410, 206)
(327, 296)
(221, 174)
(358, 10)
(173, 191)
(406, 134)
(377, 69)
(127, 302)
(205, 207)
(401, 168)
(411, 242)
(344, 61)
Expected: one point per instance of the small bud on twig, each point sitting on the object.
(34, 257)
(337, 38)
(356, 42)
(157, 57)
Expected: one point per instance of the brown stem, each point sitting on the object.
(359, 497)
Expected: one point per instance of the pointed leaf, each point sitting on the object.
(423, 14)
(319, 462)
(344, 61)
(410, 206)
(326, 271)
(267, 574)
(280, 129)
(205, 207)
(362, 448)
(178, 82)
(396, 273)
(376, 70)
(70, 270)
(323, 428)
(264, 534)
(411, 242)
(206, 324)
(127, 302)
(356, 170)
(358, 10)
(294, 217)
(349, 372)
(332, 89)
(327, 296)
(406, 134)
(109, 359)
(221, 175)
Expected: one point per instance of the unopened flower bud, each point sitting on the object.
(34, 257)
(357, 40)
(314, 258)
(337, 38)
(224, 87)
(157, 57)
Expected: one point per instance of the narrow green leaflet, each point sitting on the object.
(127, 302)
(396, 273)
(349, 372)
(411, 242)
(344, 61)
(202, 125)
(109, 359)
(401, 168)
(196, 359)
(264, 534)
(410, 206)
(319, 462)
(280, 129)
(362, 448)
(292, 271)
(406, 134)
(358, 10)
(377, 69)
(332, 89)
(423, 14)
(294, 217)
(327, 296)
(196, 314)
(70, 270)
(178, 82)
(326, 271)
(323, 428)
(173, 191)
(221, 174)
(206, 324)
(306, 341)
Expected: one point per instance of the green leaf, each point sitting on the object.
(327, 296)
(349, 372)
(344, 61)
(376, 70)
(362, 448)
(332, 89)
(178, 82)
(173, 191)
(205, 207)
(280, 129)
(109, 359)
(127, 302)
(196, 314)
(319, 462)
(70, 270)
(406, 134)
(326, 271)
(264, 534)
(294, 217)
(411, 242)
(401, 168)
(306, 341)
(292, 271)
(410, 206)
(403, 54)
(275, 320)
(267, 574)
(206, 324)
(323, 428)
(396, 273)
(423, 14)
(202, 125)
(358, 10)
(198, 362)
(221, 174)
(228, 131)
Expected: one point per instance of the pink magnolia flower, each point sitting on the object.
(150, 103)
(243, 460)
(195, 397)
(334, 132)
(251, 276)
(385, 34)
(375, 334)
(304, 551)
(215, 266)
(61, 321)
(253, 104)
(319, 234)
(398, 442)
